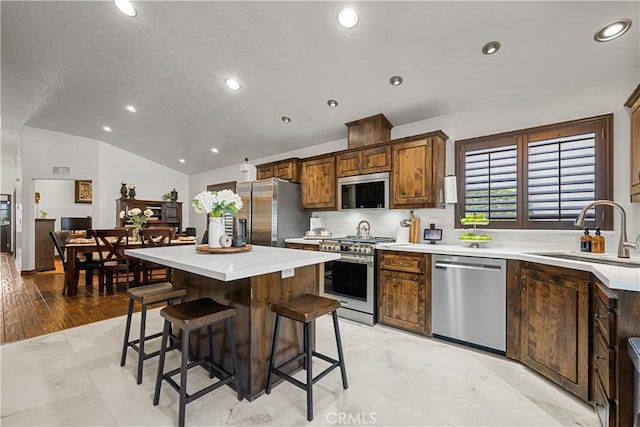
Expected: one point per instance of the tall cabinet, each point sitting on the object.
(44, 245)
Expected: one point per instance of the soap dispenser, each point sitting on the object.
(585, 241)
(597, 244)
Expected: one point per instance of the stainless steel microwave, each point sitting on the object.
(364, 191)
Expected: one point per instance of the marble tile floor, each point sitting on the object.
(73, 378)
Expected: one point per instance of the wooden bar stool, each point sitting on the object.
(304, 309)
(145, 295)
(190, 316)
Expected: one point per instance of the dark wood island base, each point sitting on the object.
(253, 325)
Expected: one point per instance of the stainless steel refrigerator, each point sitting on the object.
(272, 211)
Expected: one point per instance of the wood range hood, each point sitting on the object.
(368, 131)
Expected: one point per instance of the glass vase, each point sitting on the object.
(216, 231)
(135, 234)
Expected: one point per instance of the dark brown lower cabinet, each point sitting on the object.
(616, 318)
(404, 291)
(554, 325)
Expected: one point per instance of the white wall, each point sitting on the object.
(606, 96)
(7, 175)
(198, 182)
(57, 197)
(150, 179)
(89, 159)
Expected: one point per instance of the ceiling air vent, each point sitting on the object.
(61, 170)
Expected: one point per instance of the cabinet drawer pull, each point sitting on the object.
(596, 357)
(598, 404)
(599, 316)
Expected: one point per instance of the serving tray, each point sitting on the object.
(205, 249)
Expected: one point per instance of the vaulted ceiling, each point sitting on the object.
(73, 66)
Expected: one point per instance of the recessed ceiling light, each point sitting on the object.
(347, 17)
(106, 128)
(215, 150)
(332, 103)
(232, 84)
(395, 80)
(125, 7)
(131, 108)
(491, 48)
(613, 30)
(286, 119)
(182, 161)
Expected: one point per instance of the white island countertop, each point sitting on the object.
(233, 266)
(623, 278)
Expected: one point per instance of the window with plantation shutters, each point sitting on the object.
(561, 177)
(491, 182)
(539, 177)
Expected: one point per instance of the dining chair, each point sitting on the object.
(111, 244)
(155, 237)
(60, 239)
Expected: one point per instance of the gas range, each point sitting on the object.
(353, 244)
(351, 279)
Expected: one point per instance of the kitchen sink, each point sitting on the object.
(598, 259)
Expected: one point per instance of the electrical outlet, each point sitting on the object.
(289, 272)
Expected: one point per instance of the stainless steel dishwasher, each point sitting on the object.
(469, 300)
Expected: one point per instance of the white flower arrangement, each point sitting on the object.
(216, 204)
(136, 216)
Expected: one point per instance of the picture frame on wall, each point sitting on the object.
(84, 191)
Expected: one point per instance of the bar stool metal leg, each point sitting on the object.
(183, 378)
(234, 362)
(143, 323)
(210, 341)
(127, 329)
(309, 361)
(336, 330)
(163, 350)
(305, 345)
(274, 349)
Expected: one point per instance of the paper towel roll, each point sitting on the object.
(402, 235)
(450, 189)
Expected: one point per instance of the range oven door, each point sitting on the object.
(350, 280)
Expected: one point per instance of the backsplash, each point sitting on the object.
(386, 223)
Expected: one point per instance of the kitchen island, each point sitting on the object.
(250, 282)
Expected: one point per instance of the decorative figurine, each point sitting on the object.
(132, 191)
(174, 195)
(123, 190)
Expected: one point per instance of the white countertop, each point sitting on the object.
(623, 278)
(259, 260)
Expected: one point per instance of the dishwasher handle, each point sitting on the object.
(462, 266)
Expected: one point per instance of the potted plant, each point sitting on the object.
(216, 204)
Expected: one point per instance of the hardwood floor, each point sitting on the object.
(33, 304)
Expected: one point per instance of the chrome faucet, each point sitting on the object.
(623, 245)
(363, 228)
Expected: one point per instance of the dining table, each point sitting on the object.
(75, 247)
